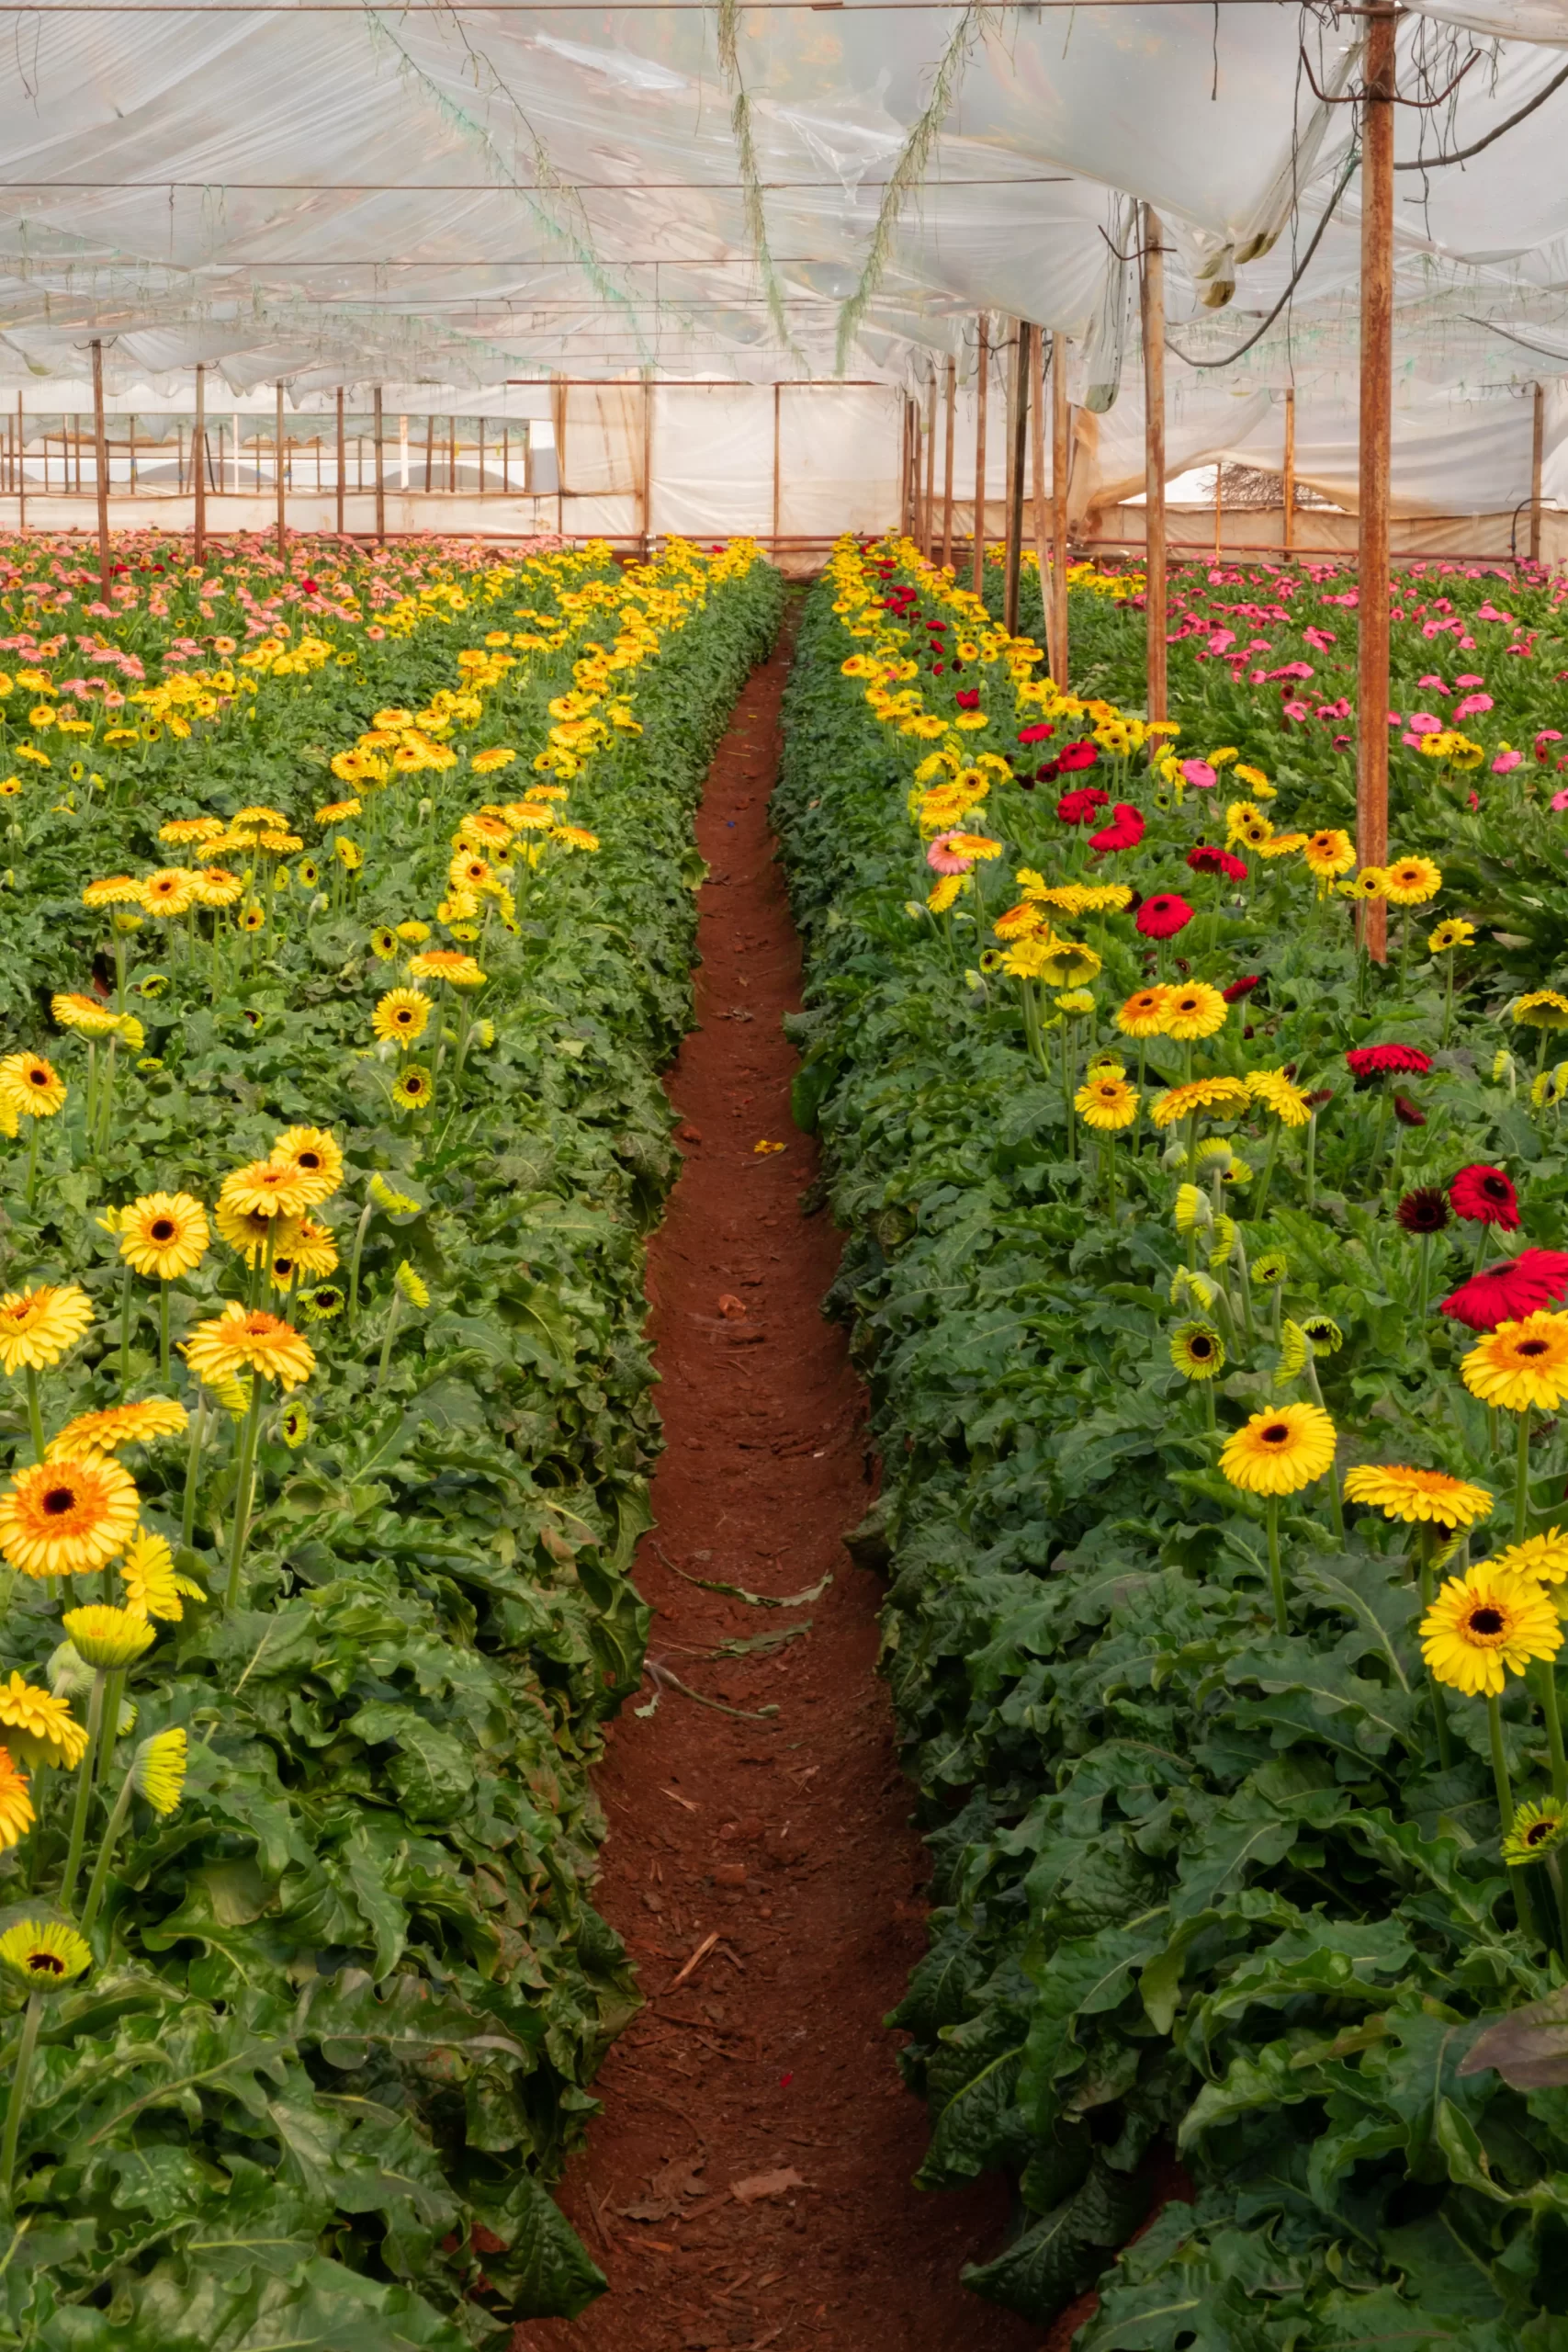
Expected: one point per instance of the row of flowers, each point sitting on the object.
(326, 1464)
(1274, 1412)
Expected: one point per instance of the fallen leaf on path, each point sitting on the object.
(695, 1961)
(758, 2185)
(679, 1799)
(729, 1305)
(766, 1146)
(667, 2191)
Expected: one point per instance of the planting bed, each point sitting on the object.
(306, 1987)
(1221, 1504)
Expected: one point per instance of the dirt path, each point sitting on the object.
(789, 1839)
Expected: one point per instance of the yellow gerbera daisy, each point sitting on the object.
(1194, 1009)
(314, 1158)
(44, 1953)
(1281, 1450)
(163, 1235)
(38, 1728)
(1485, 1625)
(1280, 1094)
(1521, 1363)
(37, 1326)
(235, 1342)
(1143, 1015)
(1401, 1492)
(1411, 881)
(1106, 1104)
(67, 1517)
(31, 1086)
(104, 1432)
(1224, 1097)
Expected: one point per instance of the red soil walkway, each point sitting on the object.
(788, 1838)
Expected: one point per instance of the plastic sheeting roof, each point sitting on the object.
(456, 198)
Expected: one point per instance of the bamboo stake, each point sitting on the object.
(1037, 468)
(1288, 529)
(947, 467)
(277, 479)
(1061, 463)
(198, 450)
(928, 519)
(1376, 427)
(646, 459)
(101, 469)
(342, 463)
(1153, 282)
(1017, 447)
(21, 468)
(982, 387)
(1537, 448)
(380, 475)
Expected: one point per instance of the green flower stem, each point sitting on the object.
(1549, 1709)
(114, 1699)
(92, 1103)
(1311, 1171)
(466, 1026)
(1425, 1278)
(1440, 1712)
(1273, 1154)
(32, 1162)
(359, 1233)
(125, 1330)
(1208, 1388)
(242, 1490)
(16, 2106)
(1335, 1504)
(1110, 1179)
(1448, 999)
(1276, 1573)
(1068, 1110)
(1522, 1478)
(1504, 1786)
(105, 1098)
(83, 1790)
(1559, 1888)
(193, 1464)
(392, 1314)
(99, 1879)
(35, 1414)
(164, 1333)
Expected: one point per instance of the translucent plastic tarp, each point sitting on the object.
(444, 203)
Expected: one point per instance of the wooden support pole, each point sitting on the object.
(1039, 504)
(1219, 505)
(947, 465)
(21, 468)
(646, 459)
(101, 469)
(777, 392)
(1288, 528)
(381, 473)
(341, 467)
(1061, 464)
(1537, 451)
(429, 450)
(1376, 429)
(928, 519)
(982, 387)
(198, 468)
(1153, 286)
(1017, 460)
(278, 475)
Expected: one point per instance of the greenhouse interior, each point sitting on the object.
(805, 1591)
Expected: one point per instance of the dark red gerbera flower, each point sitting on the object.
(1076, 808)
(1483, 1195)
(1037, 734)
(1318, 1096)
(1408, 1114)
(1204, 858)
(1423, 1210)
(1376, 1061)
(1049, 772)
(1511, 1288)
(1238, 988)
(311, 587)
(1125, 832)
(1081, 754)
(968, 697)
(1163, 916)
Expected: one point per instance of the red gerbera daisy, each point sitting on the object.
(1081, 754)
(1204, 858)
(1243, 987)
(1484, 1196)
(1125, 832)
(1076, 808)
(1374, 1061)
(1509, 1289)
(1163, 916)
(1037, 734)
(967, 697)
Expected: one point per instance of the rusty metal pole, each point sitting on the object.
(1017, 443)
(342, 463)
(380, 474)
(277, 479)
(199, 466)
(1537, 451)
(1039, 509)
(1153, 283)
(928, 520)
(947, 467)
(1377, 424)
(1060, 462)
(101, 469)
(1288, 529)
(982, 385)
